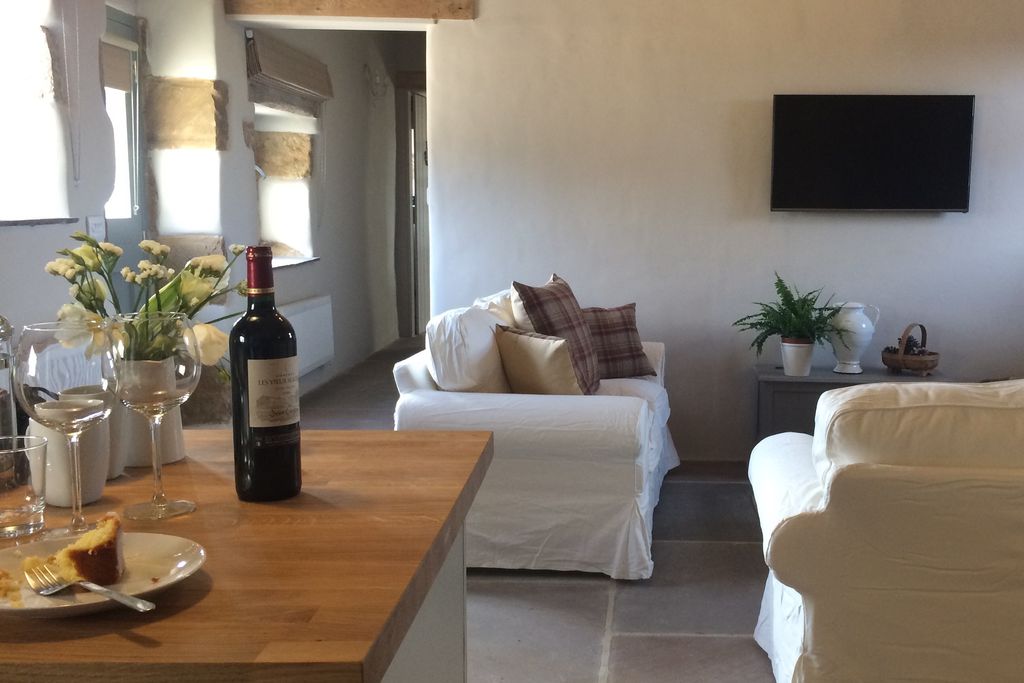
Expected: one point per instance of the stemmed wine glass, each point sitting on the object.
(156, 367)
(50, 358)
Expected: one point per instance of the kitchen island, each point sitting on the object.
(359, 578)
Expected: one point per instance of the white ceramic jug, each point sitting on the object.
(857, 321)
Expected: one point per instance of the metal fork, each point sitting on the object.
(43, 580)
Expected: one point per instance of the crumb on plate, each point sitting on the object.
(10, 589)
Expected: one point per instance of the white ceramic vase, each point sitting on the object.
(857, 321)
(796, 358)
(141, 379)
(132, 440)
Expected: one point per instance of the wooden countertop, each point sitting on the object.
(321, 586)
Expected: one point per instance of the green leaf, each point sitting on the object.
(794, 315)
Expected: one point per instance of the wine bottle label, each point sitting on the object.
(273, 392)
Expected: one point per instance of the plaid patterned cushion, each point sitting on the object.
(554, 311)
(617, 342)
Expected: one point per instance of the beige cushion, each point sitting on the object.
(535, 363)
(463, 355)
(920, 423)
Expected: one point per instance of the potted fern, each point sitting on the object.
(799, 319)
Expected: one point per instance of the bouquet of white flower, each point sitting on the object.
(91, 268)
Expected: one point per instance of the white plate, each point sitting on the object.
(152, 562)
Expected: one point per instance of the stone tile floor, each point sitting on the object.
(691, 621)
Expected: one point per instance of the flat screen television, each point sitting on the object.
(872, 152)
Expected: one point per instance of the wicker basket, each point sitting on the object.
(920, 365)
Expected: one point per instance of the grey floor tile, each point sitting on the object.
(697, 588)
(690, 511)
(542, 630)
(687, 659)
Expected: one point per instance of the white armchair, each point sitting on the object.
(895, 536)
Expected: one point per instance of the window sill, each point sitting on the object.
(286, 261)
(40, 221)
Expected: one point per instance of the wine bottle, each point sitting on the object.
(264, 391)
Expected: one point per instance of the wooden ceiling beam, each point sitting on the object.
(377, 9)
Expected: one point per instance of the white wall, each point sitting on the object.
(627, 148)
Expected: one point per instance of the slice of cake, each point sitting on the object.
(96, 556)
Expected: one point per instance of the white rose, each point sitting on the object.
(88, 256)
(194, 289)
(95, 289)
(213, 343)
(81, 327)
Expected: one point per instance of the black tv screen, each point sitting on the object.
(871, 152)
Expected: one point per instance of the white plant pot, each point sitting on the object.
(796, 359)
(132, 441)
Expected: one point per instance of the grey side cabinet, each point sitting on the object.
(787, 404)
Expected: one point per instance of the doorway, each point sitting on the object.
(412, 224)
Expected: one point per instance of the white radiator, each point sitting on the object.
(314, 331)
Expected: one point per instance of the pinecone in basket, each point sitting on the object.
(914, 347)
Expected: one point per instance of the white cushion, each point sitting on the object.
(920, 423)
(536, 363)
(463, 355)
(499, 304)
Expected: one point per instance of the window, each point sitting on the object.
(34, 168)
(119, 59)
(283, 149)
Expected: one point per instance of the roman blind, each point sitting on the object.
(116, 63)
(283, 77)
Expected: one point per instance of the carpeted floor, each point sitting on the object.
(690, 622)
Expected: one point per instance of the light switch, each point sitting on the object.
(96, 227)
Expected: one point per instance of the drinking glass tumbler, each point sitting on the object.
(22, 483)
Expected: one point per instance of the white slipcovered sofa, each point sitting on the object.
(895, 536)
(574, 479)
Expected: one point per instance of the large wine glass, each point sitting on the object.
(156, 368)
(53, 357)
